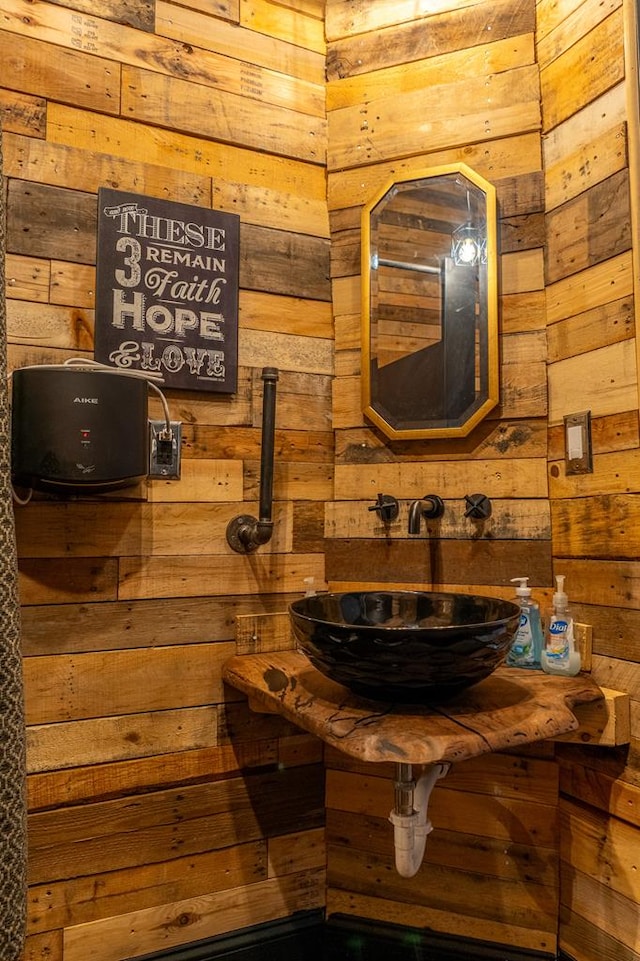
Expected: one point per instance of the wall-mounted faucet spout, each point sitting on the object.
(246, 533)
(430, 506)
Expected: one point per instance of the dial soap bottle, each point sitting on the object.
(526, 648)
(559, 655)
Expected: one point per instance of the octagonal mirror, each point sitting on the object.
(430, 304)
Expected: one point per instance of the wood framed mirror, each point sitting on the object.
(430, 363)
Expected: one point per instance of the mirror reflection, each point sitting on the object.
(430, 347)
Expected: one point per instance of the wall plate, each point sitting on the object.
(577, 443)
(164, 451)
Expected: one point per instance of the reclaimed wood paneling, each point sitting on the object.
(591, 329)
(559, 25)
(576, 77)
(73, 687)
(605, 793)
(223, 573)
(525, 478)
(610, 520)
(603, 381)
(510, 519)
(65, 745)
(432, 918)
(291, 264)
(387, 127)
(428, 561)
(71, 900)
(144, 586)
(598, 872)
(392, 37)
(135, 13)
(586, 165)
(48, 945)
(122, 138)
(142, 765)
(290, 23)
(605, 208)
(602, 284)
(469, 807)
(344, 17)
(494, 57)
(58, 165)
(69, 76)
(505, 439)
(571, 273)
(287, 315)
(189, 62)
(377, 65)
(190, 23)
(214, 914)
(267, 207)
(520, 154)
(117, 778)
(28, 278)
(102, 626)
(22, 114)
(177, 104)
(71, 843)
(48, 221)
(70, 328)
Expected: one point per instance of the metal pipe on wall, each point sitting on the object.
(246, 533)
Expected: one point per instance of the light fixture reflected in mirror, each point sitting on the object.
(469, 241)
(468, 246)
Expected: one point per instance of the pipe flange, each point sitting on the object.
(239, 534)
(434, 506)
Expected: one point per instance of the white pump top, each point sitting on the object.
(523, 590)
(560, 599)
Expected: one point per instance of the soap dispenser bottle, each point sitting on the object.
(559, 655)
(526, 648)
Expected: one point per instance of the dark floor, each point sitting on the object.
(309, 937)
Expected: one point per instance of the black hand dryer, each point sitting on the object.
(75, 430)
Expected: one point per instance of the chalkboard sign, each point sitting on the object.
(167, 290)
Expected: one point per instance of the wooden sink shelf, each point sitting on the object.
(510, 708)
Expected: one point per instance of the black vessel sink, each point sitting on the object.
(408, 646)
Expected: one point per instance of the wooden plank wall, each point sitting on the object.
(161, 810)
(437, 78)
(588, 73)
(407, 90)
(490, 870)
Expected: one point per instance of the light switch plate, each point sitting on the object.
(577, 443)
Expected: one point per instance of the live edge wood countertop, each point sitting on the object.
(510, 708)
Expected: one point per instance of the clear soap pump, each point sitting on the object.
(559, 655)
(526, 648)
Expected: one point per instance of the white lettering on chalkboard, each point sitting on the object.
(136, 221)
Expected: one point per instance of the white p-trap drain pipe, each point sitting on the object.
(409, 816)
